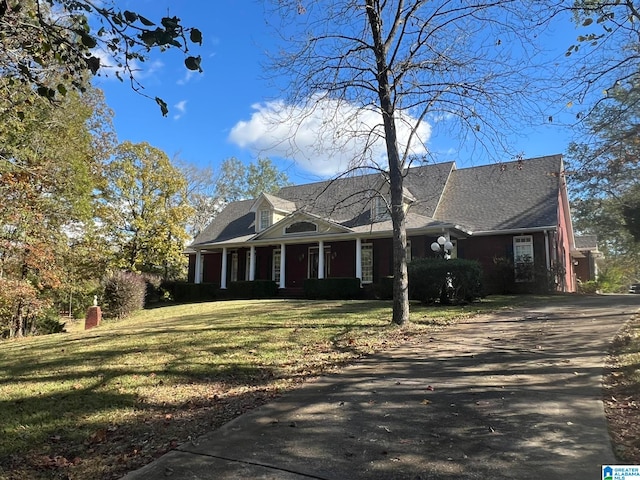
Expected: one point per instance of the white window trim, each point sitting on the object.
(264, 219)
(275, 271)
(519, 242)
(367, 262)
(380, 209)
(234, 266)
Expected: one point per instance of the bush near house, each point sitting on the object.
(124, 293)
(332, 288)
(456, 280)
(383, 288)
(183, 292)
(246, 289)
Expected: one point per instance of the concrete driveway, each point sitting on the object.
(515, 395)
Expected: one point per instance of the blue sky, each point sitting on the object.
(214, 115)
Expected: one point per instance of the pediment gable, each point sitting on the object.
(301, 224)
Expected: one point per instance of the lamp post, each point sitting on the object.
(443, 246)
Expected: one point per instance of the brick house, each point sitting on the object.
(512, 217)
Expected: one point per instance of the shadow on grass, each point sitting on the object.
(117, 396)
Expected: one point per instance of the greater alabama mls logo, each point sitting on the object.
(621, 472)
(607, 473)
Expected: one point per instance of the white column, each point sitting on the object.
(282, 264)
(321, 259)
(223, 270)
(197, 275)
(359, 259)
(252, 263)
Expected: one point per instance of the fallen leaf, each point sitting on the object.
(425, 402)
(99, 436)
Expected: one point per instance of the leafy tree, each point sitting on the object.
(43, 39)
(201, 195)
(464, 65)
(238, 181)
(145, 210)
(208, 192)
(605, 173)
(48, 174)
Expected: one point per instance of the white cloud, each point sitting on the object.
(181, 108)
(189, 74)
(326, 138)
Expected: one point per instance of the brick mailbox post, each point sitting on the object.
(94, 315)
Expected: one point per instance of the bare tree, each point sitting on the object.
(607, 50)
(461, 67)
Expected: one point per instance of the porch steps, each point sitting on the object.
(291, 292)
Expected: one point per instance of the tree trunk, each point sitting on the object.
(396, 178)
(16, 329)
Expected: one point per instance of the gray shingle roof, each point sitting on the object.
(586, 242)
(235, 220)
(510, 195)
(504, 196)
(280, 203)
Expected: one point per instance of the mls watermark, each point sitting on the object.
(621, 472)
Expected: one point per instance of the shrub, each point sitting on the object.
(332, 288)
(153, 293)
(383, 288)
(183, 292)
(588, 288)
(49, 322)
(253, 289)
(432, 279)
(124, 293)
(502, 277)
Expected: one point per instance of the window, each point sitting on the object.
(523, 258)
(301, 227)
(380, 209)
(265, 219)
(367, 262)
(276, 266)
(234, 266)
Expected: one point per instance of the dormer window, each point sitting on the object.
(380, 209)
(265, 219)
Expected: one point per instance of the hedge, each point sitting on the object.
(252, 289)
(183, 292)
(432, 279)
(332, 288)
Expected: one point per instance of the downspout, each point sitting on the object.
(546, 250)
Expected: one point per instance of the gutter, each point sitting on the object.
(485, 233)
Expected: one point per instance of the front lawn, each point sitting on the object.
(99, 403)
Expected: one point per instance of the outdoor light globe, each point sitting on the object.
(435, 247)
(448, 246)
(441, 240)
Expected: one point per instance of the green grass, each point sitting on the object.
(97, 403)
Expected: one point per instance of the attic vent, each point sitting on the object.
(301, 227)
